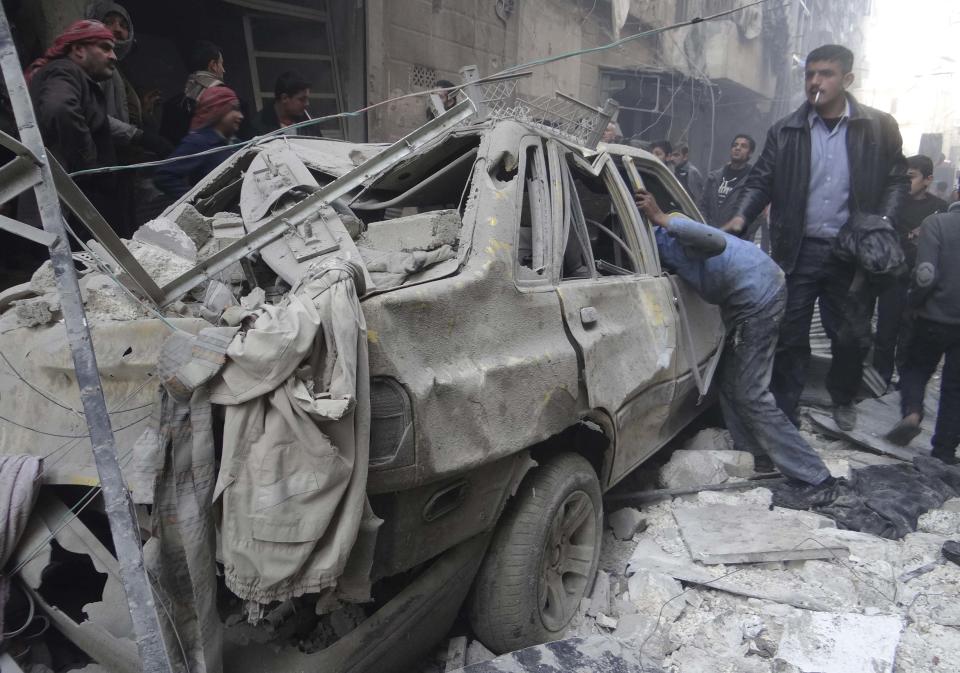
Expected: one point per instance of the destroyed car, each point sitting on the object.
(521, 351)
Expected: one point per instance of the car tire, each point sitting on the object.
(543, 557)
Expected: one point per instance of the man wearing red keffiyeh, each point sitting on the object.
(72, 111)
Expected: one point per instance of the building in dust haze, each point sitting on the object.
(697, 85)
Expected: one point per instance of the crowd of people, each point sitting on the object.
(91, 117)
(850, 225)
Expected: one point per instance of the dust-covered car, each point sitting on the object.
(522, 352)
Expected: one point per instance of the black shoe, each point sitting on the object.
(845, 416)
(903, 432)
(796, 494)
(763, 465)
(948, 457)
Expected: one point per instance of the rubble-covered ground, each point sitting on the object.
(885, 606)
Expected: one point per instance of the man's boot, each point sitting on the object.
(845, 416)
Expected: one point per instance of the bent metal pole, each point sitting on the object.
(119, 506)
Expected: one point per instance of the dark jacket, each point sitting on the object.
(72, 115)
(781, 177)
(935, 290)
(713, 212)
(177, 178)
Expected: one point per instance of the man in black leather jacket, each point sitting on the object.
(829, 159)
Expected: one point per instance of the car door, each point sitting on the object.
(616, 308)
(705, 326)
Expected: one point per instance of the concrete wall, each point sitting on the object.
(439, 35)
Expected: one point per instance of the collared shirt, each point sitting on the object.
(828, 206)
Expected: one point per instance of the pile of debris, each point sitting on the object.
(721, 581)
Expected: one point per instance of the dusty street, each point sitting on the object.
(871, 605)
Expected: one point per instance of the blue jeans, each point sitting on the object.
(818, 276)
(749, 408)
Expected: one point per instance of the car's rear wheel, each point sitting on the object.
(542, 559)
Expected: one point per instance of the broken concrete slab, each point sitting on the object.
(626, 523)
(196, 226)
(690, 469)
(37, 311)
(823, 642)
(165, 234)
(656, 594)
(732, 534)
(422, 231)
(648, 556)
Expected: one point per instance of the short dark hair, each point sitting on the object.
(202, 53)
(289, 83)
(835, 53)
(665, 145)
(921, 163)
(444, 84)
(748, 138)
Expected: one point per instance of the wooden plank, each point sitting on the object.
(735, 534)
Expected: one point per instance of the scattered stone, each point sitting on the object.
(626, 523)
(600, 599)
(165, 234)
(941, 522)
(710, 439)
(824, 642)
(456, 653)
(730, 534)
(43, 280)
(36, 310)
(651, 591)
(193, 224)
(105, 299)
(606, 622)
(477, 653)
(928, 648)
(691, 469)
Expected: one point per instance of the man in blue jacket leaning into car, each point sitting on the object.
(749, 288)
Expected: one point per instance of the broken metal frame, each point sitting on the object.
(124, 526)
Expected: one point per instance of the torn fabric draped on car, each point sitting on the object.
(296, 437)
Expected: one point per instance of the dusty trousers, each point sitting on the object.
(755, 422)
(929, 342)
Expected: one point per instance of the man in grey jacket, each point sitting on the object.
(935, 293)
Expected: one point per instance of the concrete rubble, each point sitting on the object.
(873, 605)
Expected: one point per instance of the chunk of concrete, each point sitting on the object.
(600, 599)
(732, 534)
(456, 653)
(165, 234)
(710, 439)
(626, 523)
(193, 224)
(36, 311)
(654, 593)
(477, 653)
(606, 622)
(827, 642)
(423, 231)
(692, 469)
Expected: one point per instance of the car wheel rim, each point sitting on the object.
(568, 560)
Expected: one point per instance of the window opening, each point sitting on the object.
(605, 228)
(534, 214)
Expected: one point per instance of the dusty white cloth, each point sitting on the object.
(296, 445)
(174, 470)
(391, 268)
(19, 485)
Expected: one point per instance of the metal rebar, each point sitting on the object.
(119, 506)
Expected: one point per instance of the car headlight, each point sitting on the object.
(392, 440)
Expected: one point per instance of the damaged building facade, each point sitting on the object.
(698, 85)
